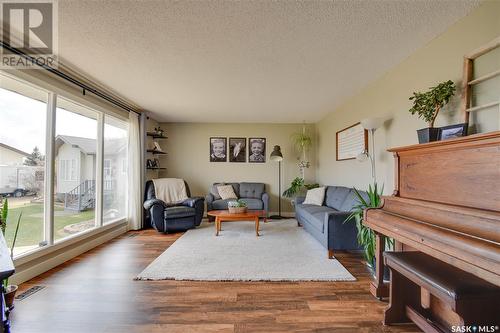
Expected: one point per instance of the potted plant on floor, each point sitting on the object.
(296, 186)
(366, 236)
(10, 289)
(428, 104)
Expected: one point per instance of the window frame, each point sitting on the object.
(54, 91)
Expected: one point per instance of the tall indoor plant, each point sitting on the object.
(366, 236)
(428, 104)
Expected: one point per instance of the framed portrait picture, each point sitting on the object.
(237, 149)
(257, 150)
(453, 131)
(218, 149)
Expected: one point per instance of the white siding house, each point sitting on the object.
(15, 177)
(76, 169)
(10, 156)
(75, 162)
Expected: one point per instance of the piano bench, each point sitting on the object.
(474, 300)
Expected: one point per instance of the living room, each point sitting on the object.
(352, 145)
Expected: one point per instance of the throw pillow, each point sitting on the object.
(315, 196)
(226, 192)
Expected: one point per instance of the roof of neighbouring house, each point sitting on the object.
(89, 146)
(14, 149)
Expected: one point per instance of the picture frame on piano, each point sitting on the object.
(453, 131)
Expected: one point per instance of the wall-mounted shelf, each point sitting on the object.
(156, 152)
(156, 136)
(156, 168)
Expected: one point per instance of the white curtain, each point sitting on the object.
(134, 173)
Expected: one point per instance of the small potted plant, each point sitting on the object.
(10, 289)
(237, 206)
(428, 104)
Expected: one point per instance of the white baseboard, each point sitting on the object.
(33, 268)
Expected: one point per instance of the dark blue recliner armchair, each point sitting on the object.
(172, 217)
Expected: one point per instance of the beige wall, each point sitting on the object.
(438, 61)
(188, 156)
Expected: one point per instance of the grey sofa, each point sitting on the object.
(253, 194)
(326, 222)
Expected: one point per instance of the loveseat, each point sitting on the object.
(326, 222)
(253, 194)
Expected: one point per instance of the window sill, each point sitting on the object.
(71, 240)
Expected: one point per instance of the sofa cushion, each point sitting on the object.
(253, 204)
(220, 204)
(352, 200)
(178, 212)
(314, 215)
(336, 195)
(251, 190)
(215, 192)
(226, 192)
(315, 196)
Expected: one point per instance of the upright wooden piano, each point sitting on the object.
(446, 203)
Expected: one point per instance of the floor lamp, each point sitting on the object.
(277, 156)
(371, 125)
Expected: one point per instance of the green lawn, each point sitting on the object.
(31, 227)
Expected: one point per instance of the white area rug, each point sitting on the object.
(283, 252)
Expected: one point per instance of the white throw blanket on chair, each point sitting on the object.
(170, 190)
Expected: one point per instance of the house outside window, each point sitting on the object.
(67, 170)
(107, 169)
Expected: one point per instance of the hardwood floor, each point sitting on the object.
(95, 292)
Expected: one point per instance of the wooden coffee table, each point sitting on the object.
(225, 216)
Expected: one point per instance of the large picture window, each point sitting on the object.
(22, 161)
(86, 169)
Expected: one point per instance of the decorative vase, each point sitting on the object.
(237, 210)
(428, 134)
(10, 294)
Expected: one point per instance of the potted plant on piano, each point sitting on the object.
(366, 236)
(428, 104)
(10, 289)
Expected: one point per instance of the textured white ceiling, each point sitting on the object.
(255, 61)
